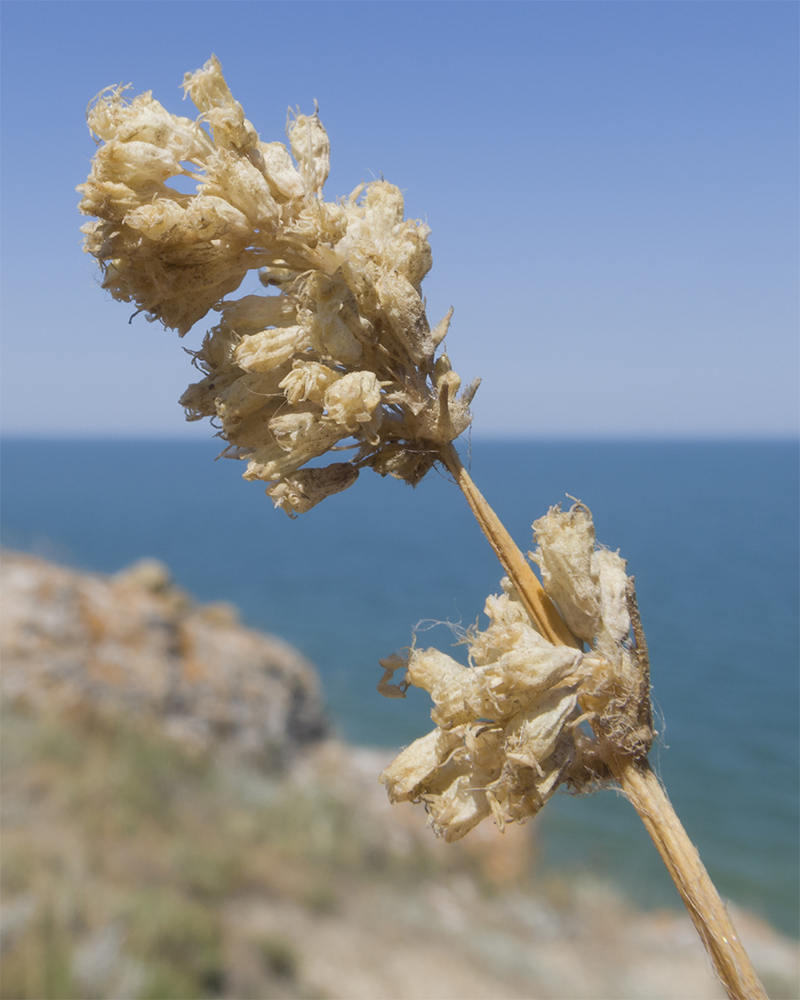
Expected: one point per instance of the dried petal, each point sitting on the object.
(408, 773)
(457, 809)
(613, 580)
(260, 352)
(209, 91)
(243, 185)
(312, 150)
(136, 163)
(353, 399)
(404, 309)
(308, 380)
(246, 395)
(253, 313)
(303, 490)
(532, 735)
(296, 438)
(452, 687)
(280, 172)
(566, 559)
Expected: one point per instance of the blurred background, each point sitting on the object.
(612, 194)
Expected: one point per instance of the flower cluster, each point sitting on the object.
(508, 725)
(338, 347)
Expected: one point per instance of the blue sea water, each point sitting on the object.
(710, 530)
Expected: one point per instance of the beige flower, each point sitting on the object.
(508, 730)
(338, 346)
(499, 722)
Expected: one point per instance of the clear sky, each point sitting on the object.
(612, 189)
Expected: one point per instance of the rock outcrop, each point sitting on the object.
(136, 643)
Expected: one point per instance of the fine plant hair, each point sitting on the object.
(337, 356)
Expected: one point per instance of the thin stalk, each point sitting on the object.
(635, 777)
(731, 962)
(538, 605)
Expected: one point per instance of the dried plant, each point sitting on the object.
(338, 353)
(342, 349)
(509, 725)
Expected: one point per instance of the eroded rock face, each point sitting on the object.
(136, 643)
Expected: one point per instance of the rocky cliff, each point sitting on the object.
(135, 643)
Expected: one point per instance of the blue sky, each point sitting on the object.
(612, 189)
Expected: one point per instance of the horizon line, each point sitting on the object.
(508, 437)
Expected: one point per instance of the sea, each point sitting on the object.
(710, 532)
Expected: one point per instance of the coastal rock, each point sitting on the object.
(136, 643)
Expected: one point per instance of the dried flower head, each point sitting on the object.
(338, 347)
(507, 726)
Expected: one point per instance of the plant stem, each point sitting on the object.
(646, 794)
(635, 777)
(537, 603)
